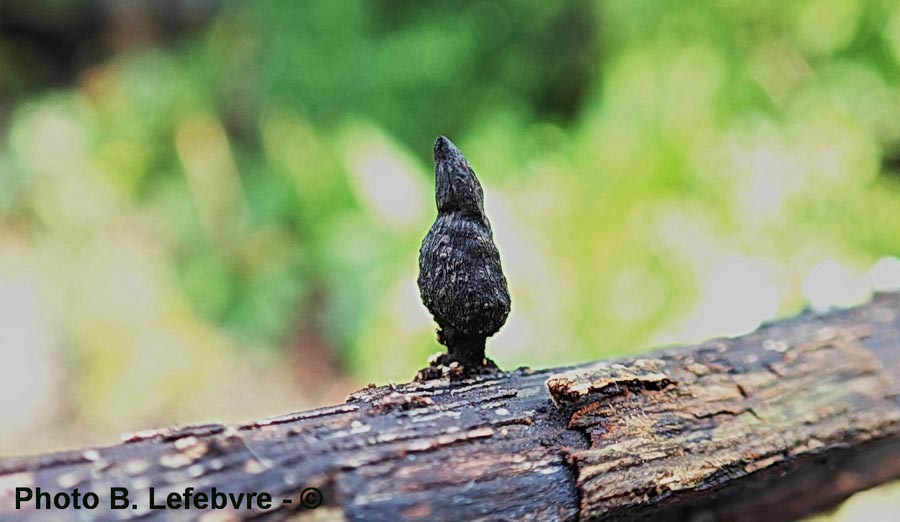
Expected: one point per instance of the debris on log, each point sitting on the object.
(774, 425)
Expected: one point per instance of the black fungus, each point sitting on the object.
(460, 278)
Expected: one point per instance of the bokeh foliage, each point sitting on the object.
(226, 222)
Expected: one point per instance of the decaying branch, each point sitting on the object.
(773, 425)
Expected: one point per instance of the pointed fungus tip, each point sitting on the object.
(444, 149)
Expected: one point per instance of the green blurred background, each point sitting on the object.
(211, 211)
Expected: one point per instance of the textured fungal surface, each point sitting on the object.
(460, 278)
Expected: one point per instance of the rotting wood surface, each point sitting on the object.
(773, 425)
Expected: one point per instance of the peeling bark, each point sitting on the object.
(702, 419)
(776, 424)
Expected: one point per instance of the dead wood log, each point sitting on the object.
(790, 419)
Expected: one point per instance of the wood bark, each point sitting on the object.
(790, 419)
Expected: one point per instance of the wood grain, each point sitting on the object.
(773, 425)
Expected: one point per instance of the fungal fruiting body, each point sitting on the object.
(461, 281)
